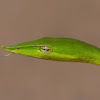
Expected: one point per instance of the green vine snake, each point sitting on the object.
(58, 49)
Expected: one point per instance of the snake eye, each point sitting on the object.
(45, 50)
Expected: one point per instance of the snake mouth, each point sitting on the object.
(6, 48)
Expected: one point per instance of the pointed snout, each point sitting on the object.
(4, 47)
(7, 48)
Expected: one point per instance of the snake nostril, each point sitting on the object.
(18, 48)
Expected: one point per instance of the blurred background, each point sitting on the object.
(26, 78)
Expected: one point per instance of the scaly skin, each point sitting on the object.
(62, 49)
